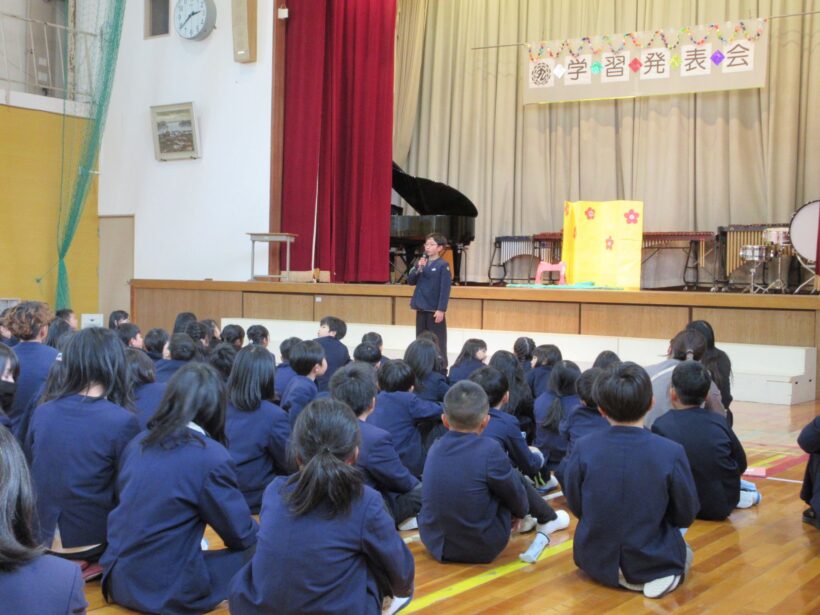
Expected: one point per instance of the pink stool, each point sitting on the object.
(545, 267)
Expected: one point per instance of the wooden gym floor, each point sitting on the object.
(761, 560)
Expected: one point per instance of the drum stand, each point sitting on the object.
(778, 283)
(808, 268)
(754, 287)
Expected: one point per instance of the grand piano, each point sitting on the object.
(442, 209)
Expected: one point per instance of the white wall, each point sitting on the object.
(191, 216)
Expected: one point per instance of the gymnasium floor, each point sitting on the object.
(762, 560)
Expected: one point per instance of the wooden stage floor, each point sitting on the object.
(761, 560)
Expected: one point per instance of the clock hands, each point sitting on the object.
(188, 18)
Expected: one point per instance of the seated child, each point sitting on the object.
(284, 372)
(584, 419)
(546, 356)
(146, 393)
(131, 335)
(355, 385)
(470, 491)
(234, 334)
(553, 406)
(259, 335)
(331, 331)
(222, 357)
(371, 337)
(155, 343)
(523, 349)
(472, 357)
(182, 350)
(809, 441)
(398, 411)
(326, 543)
(423, 357)
(632, 492)
(503, 428)
(715, 454)
(368, 353)
(308, 362)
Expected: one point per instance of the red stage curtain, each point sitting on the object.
(338, 123)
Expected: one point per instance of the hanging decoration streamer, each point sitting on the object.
(697, 58)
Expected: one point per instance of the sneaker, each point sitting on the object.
(561, 522)
(527, 524)
(810, 517)
(396, 604)
(660, 587)
(551, 484)
(411, 523)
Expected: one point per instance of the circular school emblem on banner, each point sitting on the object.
(540, 74)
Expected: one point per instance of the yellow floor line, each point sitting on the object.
(481, 579)
(767, 461)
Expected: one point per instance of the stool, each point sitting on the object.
(545, 267)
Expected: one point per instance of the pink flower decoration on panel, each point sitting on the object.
(632, 216)
(575, 232)
(566, 209)
(590, 213)
(609, 242)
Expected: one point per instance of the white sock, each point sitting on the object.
(539, 543)
(561, 522)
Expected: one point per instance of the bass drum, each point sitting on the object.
(803, 230)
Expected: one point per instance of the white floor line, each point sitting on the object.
(785, 480)
(552, 496)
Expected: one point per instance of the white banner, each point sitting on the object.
(691, 59)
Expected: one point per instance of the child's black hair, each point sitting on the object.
(465, 405)
(523, 348)
(93, 356)
(182, 347)
(199, 332)
(116, 317)
(65, 313)
(561, 384)
(355, 385)
(371, 337)
(140, 367)
(222, 357)
(422, 357)
(323, 444)
(126, 332)
(182, 320)
(520, 404)
(469, 350)
(396, 375)
(257, 334)
(155, 341)
(57, 328)
(233, 334)
(688, 345)
(547, 355)
(335, 325)
(306, 355)
(691, 381)
(367, 353)
(252, 379)
(712, 357)
(493, 382)
(586, 385)
(286, 345)
(606, 358)
(624, 392)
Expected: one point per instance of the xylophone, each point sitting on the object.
(729, 242)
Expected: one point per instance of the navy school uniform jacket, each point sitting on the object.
(337, 356)
(167, 368)
(432, 284)
(382, 467)
(284, 374)
(538, 378)
(75, 444)
(397, 413)
(167, 494)
(809, 441)
(147, 398)
(35, 360)
(300, 392)
(463, 370)
(715, 455)
(526, 366)
(579, 422)
(434, 387)
(312, 564)
(631, 491)
(258, 443)
(505, 430)
(469, 494)
(47, 585)
(552, 444)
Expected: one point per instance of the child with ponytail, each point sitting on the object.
(326, 542)
(551, 407)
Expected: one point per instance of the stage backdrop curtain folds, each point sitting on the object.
(338, 132)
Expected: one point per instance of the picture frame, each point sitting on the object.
(175, 132)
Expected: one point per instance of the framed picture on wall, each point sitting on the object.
(175, 135)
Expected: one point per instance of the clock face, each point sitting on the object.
(194, 19)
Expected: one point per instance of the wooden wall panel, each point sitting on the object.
(376, 310)
(775, 327)
(402, 314)
(633, 320)
(532, 316)
(159, 307)
(461, 313)
(277, 307)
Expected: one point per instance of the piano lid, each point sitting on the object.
(429, 197)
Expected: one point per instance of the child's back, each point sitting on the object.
(336, 354)
(550, 441)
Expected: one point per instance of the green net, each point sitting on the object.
(89, 60)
